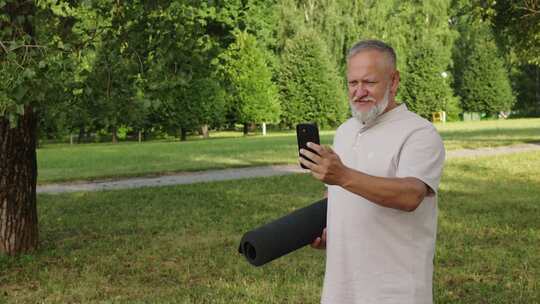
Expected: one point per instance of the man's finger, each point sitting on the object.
(314, 157)
(316, 243)
(320, 149)
(310, 165)
(317, 148)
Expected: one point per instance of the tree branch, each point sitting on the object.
(3, 47)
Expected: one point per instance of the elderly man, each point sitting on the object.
(382, 179)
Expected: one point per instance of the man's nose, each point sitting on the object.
(360, 91)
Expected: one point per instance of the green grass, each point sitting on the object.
(178, 244)
(94, 161)
(489, 133)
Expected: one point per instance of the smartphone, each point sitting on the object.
(305, 133)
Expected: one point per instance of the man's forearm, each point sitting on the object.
(404, 194)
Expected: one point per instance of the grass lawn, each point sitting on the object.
(94, 161)
(178, 244)
(489, 133)
(91, 161)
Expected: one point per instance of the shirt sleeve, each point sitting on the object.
(422, 156)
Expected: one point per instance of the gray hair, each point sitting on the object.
(373, 45)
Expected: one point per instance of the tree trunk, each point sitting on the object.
(140, 136)
(246, 128)
(80, 138)
(183, 134)
(114, 132)
(264, 129)
(204, 131)
(18, 175)
(537, 91)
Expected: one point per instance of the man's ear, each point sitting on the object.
(395, 83)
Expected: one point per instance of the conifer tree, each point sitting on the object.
(425, 87)
(481, 78)
(253, 96)
(311, 89)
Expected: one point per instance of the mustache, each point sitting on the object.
(357, 98)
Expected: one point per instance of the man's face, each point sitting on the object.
(372, 84)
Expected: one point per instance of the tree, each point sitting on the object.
(514, 26)
(424, 36)
(182, 41)
(485, 84)
(527, 84)
(311, 89)
(39, 42)
(481, 79)
(209, 102)
(117, 65)
(253, 95)
(517, 25)
(112, 87)
(425, 87)
(26, 62)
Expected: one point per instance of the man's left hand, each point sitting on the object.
(326, 166)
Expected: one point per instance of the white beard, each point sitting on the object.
(365, 117)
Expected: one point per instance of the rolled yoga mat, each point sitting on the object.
(284, 235)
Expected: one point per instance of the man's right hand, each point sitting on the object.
(320, 242)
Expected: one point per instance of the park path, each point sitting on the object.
(240, 173)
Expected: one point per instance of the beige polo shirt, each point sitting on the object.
(376, 254)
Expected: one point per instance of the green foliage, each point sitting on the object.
(179, 80)
(425, 57)
(327, 18)
(311, 90)
(260, 18)
(208, 101)
(92, 65)
(420, 34)
(481, 78)
(24, 63)
(453, 109)
(517, 25)
(527, 83)
(425, 88)
(253, 95)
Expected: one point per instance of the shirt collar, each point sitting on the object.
(395, 112)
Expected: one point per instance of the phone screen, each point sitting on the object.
(306, 133)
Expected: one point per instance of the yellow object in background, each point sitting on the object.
(438, 116)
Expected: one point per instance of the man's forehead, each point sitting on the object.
(370, 60)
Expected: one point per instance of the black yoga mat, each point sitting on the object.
(284, 235)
